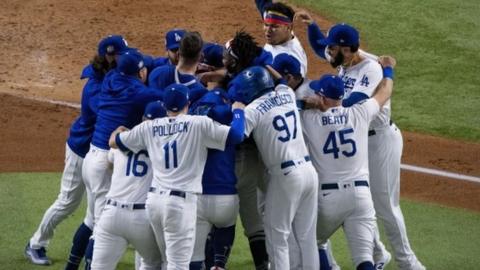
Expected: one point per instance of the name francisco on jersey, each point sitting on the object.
(274, 101)
(170, 128)
(334, 119)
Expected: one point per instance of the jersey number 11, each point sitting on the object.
(166, 150)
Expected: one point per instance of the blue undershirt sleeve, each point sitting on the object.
(314, 35)
(353, 99)
(237, 128)
(119, 143)
(261, 4)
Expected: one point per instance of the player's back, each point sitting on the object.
(122, 101)
(81, 131)
(178, 149)
(131, 177)
(165, 75)
(364, 77)
(276, 126)
(338, 140)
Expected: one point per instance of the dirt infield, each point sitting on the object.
(45, 44)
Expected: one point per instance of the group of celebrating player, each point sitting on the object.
(161, 142)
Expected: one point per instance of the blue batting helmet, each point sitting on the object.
(250, 84)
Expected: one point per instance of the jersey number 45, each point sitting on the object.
(331, 145)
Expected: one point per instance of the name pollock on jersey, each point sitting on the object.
(274, 101)
(170, 129)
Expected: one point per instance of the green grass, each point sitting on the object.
(443, 238)
(437, 45)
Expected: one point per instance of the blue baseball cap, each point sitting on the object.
(155, 109)
(175, 97)
(285, 63)
(213, 54)
(173, 38)
(130, 63)
(330, 86)
(342, 35)
(112, 44)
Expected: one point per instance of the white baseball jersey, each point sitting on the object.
(178, 148)
(279, 105)
(364, 77)
(338, 140)
(292, 47)
(131, 177)
(304, 90)
(292, 189)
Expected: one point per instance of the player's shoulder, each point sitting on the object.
(304, 90)
(162, 70)
(370, 65)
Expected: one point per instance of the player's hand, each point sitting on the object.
(111, 141)
(121, 129)
(387, 61)
(304, 17)
(238, 105)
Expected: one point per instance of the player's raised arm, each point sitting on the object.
(314, 33)
(385, 88)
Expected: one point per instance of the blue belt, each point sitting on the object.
(359, 183)
(135, 206)
(289, 163)
(177, 193)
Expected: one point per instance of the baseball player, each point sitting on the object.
(218, 205)
(172, 43)
(121, 102)
(337, 139)
(278, 30)
(190, 52)
(361, 74)
(124, 219)
(177, 146)
(78, 143)
(291, 196)
(289, 68)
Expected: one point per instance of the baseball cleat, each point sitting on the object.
(37, 256)
(382, 263)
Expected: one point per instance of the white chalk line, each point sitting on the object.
(440, 173)
(402, 166)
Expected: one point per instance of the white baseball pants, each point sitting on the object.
(71, 193)
(290, 207)
(97, 175)
(218, 210)
(385, 152)
(349, 205)
(118, 227)
(173, 220)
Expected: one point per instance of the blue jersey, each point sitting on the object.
(163, 76)
(219, 173)
(314, 35)
(122, 101)
(81, 130)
